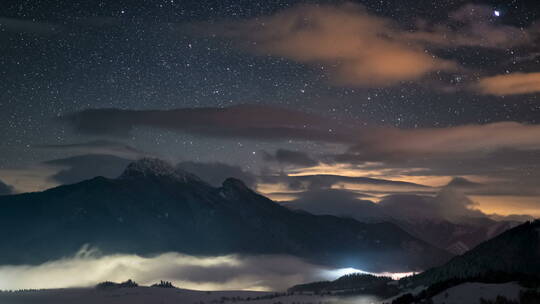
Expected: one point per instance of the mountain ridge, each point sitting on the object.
(513, 252)
(157, 212)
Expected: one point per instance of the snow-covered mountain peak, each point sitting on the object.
(153, 167)
(148, 167)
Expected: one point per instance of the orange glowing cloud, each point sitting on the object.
(510, 84)
(352, 46)
(443, 141)
(508, 204)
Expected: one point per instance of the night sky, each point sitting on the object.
(432, 93)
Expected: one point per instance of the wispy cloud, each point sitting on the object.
(354, 47)
(98, 147)
(290, 158)
(351, 45)
(270, 123)
(29, 26)
(82, 167)
(244, 121)
(404, 143)
(471, 25)
(510, 84)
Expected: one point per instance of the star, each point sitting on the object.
(497, 13)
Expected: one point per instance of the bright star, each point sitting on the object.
(497, 13)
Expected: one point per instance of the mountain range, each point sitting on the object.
(513, 252)
(456, 237)
(447, 220)
(416, 213)
(153, 207)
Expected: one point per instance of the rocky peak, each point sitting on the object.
(236, 184)
(153, 167)
(146, 167)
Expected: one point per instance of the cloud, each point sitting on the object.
(327, 181)
(307, 187)
(510, 84)
(501, 164)
(471, 25)
(447, 204)
(6, 189)
(463, 183)
(98, 147)
(353, 46)
(337, 202)
(83, 167)
(244, 121)
(230, 272)
(287, 157)
(29, 26)
(275, 124)
(504, 177)
(215, 173)
(512, 217)
(392, 143)
(29, 178)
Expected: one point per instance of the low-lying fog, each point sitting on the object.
(230, 272)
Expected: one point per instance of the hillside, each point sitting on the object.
(516, 251)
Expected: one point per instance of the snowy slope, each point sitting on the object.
(146, 295)
(473, 292)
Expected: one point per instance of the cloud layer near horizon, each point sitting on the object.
(231, 272)
(449, 204)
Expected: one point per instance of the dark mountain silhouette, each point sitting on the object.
(456, 237)
(355, 283)
(514, 253)
(153, 207)
(444, 220)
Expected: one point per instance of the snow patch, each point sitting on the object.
(473, 292)
(153, 167)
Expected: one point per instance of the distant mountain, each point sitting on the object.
(455, 237)
(153, 207)
(515, 252)
(443, 221)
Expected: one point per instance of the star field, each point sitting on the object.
(69, 56)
